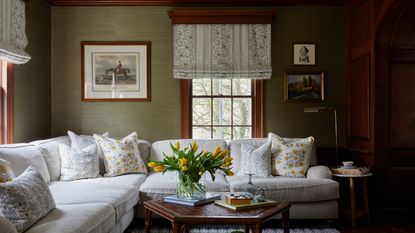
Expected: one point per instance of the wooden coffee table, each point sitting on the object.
(182, 216)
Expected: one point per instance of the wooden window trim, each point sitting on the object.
(257, 107)
(6, 103)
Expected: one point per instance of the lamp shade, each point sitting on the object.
(13, 39)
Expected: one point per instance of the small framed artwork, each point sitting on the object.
(116, 71)
(304, 86)
(305, 54)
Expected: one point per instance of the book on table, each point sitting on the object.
(210, 197)
(253, 204)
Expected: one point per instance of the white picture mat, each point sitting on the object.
(311, 55)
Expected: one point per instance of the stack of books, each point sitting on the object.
(210, 197)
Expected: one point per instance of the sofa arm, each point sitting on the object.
(6, 226)
(319, 172)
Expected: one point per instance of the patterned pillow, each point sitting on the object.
(79, 142)
(6, 173)
(25, 199)
(290, 159)
(255, 161)
(78, 164)
(121, 156)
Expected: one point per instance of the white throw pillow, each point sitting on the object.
(256, 161)
(78, 164)
(25, 199)
(290, 159)
(6, 173)
(121, 156)
(79, 142)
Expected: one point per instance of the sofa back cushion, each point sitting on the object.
(235, 149)
(50, 152)
(21, 155)
(160, 147)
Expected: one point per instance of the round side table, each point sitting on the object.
(352, 194)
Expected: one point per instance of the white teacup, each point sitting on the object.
(347, 164)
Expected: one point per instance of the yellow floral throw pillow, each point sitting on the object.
(121, 156)
(290, 159)
(6, 173)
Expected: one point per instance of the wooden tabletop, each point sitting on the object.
(213, 213)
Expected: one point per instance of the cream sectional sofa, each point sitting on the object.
(109, 204)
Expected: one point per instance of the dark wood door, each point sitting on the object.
(395, 107)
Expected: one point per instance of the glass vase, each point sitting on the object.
(250, 187)
(190, 189)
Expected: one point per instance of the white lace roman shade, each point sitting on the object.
(222, 51)
(13, 39)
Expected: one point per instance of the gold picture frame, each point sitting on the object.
(304, 86)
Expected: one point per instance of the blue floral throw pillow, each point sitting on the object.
(25, 199)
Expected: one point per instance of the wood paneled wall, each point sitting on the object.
(380, 71)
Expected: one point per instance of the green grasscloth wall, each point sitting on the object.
(32, 81)
(160, 118)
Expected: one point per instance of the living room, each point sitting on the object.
(349, 42)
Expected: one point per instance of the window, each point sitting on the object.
(6, 102)
(221, 108)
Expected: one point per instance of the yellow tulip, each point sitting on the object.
(152, 164)
(229, 159)
(230, 173)
(226, 164)
(183, 161)
(185, 168)
(177, 145)
(205, 153)
(216, 151)
(223, 154)
(159, 168)
(200, 173)
(194, 146)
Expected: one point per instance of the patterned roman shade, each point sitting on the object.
(222, 51)
(13, 39)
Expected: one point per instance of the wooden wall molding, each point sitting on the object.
(191, 2)
(221, 16)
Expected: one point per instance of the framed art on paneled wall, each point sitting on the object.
(305, 54)
(116, 71)
(304, 86)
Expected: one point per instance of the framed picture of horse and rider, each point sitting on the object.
(305, 54)
(116, 71)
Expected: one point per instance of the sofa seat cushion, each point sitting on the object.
(121, 197)
(130, 180)
(92, 217)
(158, 185)
(290, 189)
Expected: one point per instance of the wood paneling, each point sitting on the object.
(402, 106)
(359, 98)
(359, 24)
(186, 2)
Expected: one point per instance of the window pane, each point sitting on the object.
(201, 111)
(201, 87)
(201, 133)
(241, 87)
(242, 111)
(242, 132)
(222, 132)
(222, 111)
(221, 87)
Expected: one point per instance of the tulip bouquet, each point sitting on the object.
(191, 166)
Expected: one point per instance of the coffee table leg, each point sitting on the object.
(177, 228)
(285, 221)
(246, 228)
(258, 228)
(147, 220)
